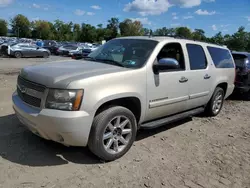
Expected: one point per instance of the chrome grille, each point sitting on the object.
(30, 92)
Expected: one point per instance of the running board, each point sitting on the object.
(171, 119)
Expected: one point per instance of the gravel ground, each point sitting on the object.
(198, 152)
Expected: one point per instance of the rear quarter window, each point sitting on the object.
(221, 57)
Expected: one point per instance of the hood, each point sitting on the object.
(61, 74)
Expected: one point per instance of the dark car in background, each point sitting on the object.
(242, 80)
(54, 49)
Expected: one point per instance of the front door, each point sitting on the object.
(167, 91)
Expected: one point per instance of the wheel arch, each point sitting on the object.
(133, 103)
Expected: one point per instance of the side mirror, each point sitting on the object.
(37, 48)
(166, 64)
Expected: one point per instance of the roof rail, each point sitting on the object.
(181, 37)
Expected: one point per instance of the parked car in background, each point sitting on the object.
(68, 50)
(19, 50)
(103, 101)
(81, 54)
(242, 80)
(84, 52)
(54, 49)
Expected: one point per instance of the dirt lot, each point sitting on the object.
(195, 153)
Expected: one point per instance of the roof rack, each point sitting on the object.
(181, 37)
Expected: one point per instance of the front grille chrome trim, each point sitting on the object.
(31, 93)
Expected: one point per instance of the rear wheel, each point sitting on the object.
(113, 133)
(18, 54)
(215, 104)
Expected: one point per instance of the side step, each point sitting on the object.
(171, 119)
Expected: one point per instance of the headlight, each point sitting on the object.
(69, 100)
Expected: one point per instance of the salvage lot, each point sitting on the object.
(197, 152)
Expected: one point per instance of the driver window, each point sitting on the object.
(172, 50)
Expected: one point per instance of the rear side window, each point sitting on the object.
(197, 57)
(221, 57)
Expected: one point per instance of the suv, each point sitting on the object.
(242, 81)
(102, 101)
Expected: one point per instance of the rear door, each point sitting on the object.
(199, 75)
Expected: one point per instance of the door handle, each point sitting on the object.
(207, 76)
(183, 79)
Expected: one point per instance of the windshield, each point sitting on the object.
(130, 53)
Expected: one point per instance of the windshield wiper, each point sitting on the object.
(111, 61)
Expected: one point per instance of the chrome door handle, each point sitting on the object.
(207, 76)
(183, 79)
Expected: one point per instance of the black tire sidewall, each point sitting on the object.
(210, 106)
(99, 124)
(19, 55)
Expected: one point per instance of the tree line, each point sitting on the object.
(60, 31)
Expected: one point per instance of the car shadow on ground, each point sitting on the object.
(19, 145)
(145, 133)
(236, 96)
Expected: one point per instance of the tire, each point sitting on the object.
(211, 109)
(18, 54)
(45, 54)
(106, 148)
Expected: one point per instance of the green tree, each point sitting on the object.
(3, 28)
(113, 26)
(217, 39)
(41, 29)
(163, 31)
(130, 28)
(183, 32)
(21, 26)
(88, 33)
(146, 31)
(76, 32)
(199, 35)
(240, 40)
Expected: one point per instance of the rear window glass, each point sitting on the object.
(240, 60)
(221, 57)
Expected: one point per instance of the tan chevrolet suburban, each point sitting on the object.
(126, 84)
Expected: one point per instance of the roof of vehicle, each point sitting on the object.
(164, 38)
(242, 53)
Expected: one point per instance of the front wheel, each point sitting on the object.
(113, 133)
(18, 54)
(215, 104)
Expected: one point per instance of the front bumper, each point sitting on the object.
(68, 128)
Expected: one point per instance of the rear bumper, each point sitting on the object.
(68, 128)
